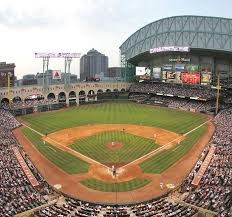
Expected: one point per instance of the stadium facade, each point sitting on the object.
(197, 44)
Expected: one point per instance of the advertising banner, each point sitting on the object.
(192, 68)
(56, 74)
(206, 78)
(169, 49)
(157, 73)
(171, 75)
(167, 67)
(140, 70)
(178, 77)
(191, 77)
(143, 73)
(205, 68)
(180, 67)
(164, 76)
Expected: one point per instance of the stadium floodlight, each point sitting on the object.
(67, 62)
(57, 55)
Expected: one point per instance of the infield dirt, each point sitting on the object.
(68, 136)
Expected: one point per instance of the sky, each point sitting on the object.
(29, 26)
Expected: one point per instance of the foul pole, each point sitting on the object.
(218, 93)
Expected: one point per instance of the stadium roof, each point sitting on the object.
(196, 32)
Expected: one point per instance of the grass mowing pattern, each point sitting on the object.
(164, 159)
(115, 113)
(67, 162)
(95, 148)
(115, 186)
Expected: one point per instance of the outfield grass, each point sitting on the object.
(164, 159)
(115, 113)
(67, 162)
(115, 186)
(95, 147)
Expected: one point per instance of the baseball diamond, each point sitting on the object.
(80, 144)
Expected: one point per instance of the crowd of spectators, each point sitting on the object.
(163, 208)
(173, 89)
(157, 208)
(70, 207)
(28, 103)
(16, 193)
(172, 102)
(215, 189)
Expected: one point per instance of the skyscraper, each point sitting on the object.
(92, 63)
(6, 69)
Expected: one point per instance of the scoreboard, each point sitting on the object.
(177, 73)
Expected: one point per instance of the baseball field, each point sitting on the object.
(81, 147)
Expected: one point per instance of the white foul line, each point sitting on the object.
(65, 147)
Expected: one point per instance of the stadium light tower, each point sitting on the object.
(67, 62)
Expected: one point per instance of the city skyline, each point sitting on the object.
(27, 27)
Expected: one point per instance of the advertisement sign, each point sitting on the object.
(205, 68)
(180, 59)
(191, 77)
(56, 74)
(143, 71)
(178, 77)
(157, 73)
(169, 49)
(192, 68)
(164, 76)
(171, 75)
(167, 67)
(206, 78)
(180, 67)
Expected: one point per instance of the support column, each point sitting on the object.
(67, 63)
(45, 81)
(67, 102)
(77, 100)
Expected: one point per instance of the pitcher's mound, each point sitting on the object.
(114, 145)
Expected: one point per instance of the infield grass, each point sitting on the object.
(115, 113)
(67, 162)
(95, 147)
(115, 186)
